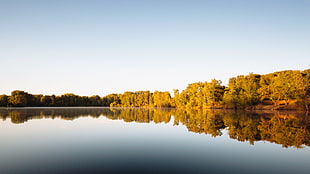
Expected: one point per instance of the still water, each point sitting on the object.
(104, 140)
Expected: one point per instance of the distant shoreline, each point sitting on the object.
(283, 90)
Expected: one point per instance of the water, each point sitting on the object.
(103, 140)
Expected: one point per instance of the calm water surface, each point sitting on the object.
(103, 140)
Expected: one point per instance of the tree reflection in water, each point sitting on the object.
(290, 129)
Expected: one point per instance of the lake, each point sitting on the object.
(132, 140)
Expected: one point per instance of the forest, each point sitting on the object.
(289, 90)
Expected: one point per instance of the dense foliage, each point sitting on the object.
(279, 88)
(290, 87)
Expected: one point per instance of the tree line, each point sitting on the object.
(20, 98)
(245, 91)
(288, 88)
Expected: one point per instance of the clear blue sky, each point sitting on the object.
(91, 47)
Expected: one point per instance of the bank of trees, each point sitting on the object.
(244, 91)
(139, 99)
(200, 95)
(128, 99)
(22, 99)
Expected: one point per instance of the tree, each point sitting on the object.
(4, 100)
(128, 99)
(250, 86)
(305, 100)
(68, 99)
(162, 99)
(20, 98)
(242, 91)
(231, 96)
(212, 93)
(200, 95)
(306, 76)
(94, 101)
(180, 99)
(111, 98)
(283, 85)
(46, 100)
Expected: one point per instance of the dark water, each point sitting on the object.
(101, 140)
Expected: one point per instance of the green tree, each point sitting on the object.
(200, 95)
(212, 93)
(283, 85)
(242, 91)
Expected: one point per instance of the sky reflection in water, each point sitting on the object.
(96, 140)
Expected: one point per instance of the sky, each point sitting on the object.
(99, 47)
